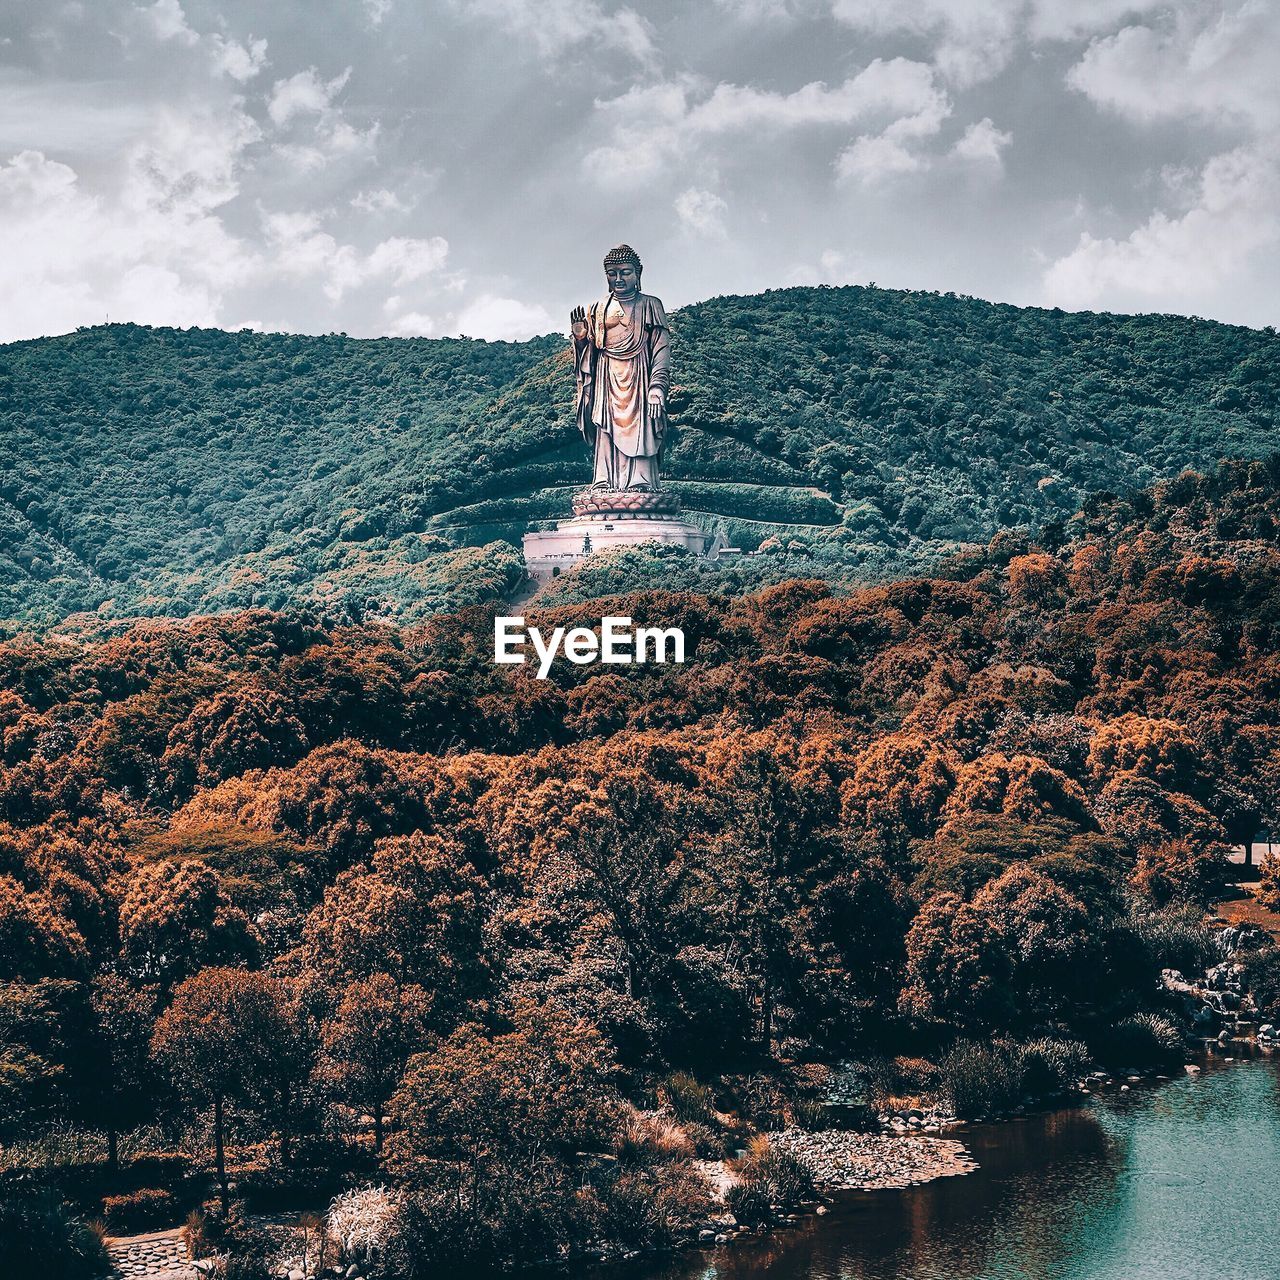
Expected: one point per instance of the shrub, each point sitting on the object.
(689, 1099)
(1144, 1041)
(762, 1100)
(534, 1211)
(652, 1208)
(41, 1237)
(169, 1170)
(767, 1175)
(274, 1188)
(652, 1140)
(891, 1081)
(1049, 1066)
(748, 1202)
(361, 1222)
(141, 1210)
(1262, 977)
(811, 1114)
(1269, 884)
(306, 1247)
(195, 1235)
(209, 1232)
(1175, 938)
(982, 1079)
(1182, 871)
(240, 1266)
(709, 1143)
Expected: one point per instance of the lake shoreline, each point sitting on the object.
(1075, 1154)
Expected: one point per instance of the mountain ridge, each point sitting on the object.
(175, 472)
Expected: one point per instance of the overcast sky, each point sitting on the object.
(460, 166)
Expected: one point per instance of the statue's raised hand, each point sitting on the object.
(578, 322)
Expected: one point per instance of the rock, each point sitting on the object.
(297, 1274)
(705, 1237)
(821, 1209)
(352, 1272)
(1124, 1088)
(1191, 1069)
(722, 1238)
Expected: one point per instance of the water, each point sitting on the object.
(1173, 1181)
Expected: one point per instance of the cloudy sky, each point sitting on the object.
(459, 166)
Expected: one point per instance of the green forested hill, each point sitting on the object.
(174, 472)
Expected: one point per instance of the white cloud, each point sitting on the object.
(701, 212)
(897, 149)
(302, 250)
(380, 200)
(557, 27)
(154, 251)
(676, 125)
(982, 143)
(832, 267)
(412, 324)
(1214, 63)
(764, 10)
(1169, 258)
(1188, 63)
(503, 319)
(376, 11)
(239, 61)
(873, 159)
(304, 94)
(306, 97)
(897, 86)
(974, 40)
(167, 21)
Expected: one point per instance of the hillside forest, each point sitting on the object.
(291, 907)
(865, 432)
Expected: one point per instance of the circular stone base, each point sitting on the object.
(641, 503)
(550, 550)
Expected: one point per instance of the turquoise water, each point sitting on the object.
(1178, 1180)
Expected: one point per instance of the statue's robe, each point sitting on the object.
(626, 351)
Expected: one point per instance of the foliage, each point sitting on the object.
(140, 1210)
(1181, 871)
(689, 1099)
(40, 1237)
(983, 1079)
(860, 430)
(361, 1222)
(383, 887)
(1143, 1040)
(1050, 1065)
(1262, 977)
(1176, 937)
(766, 1175)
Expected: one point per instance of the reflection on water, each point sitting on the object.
(1172, 1181)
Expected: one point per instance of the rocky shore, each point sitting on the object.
(843, 1161)
(1218, 1004)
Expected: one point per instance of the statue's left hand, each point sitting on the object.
(657, 404)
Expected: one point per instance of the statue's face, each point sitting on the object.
(623, 279)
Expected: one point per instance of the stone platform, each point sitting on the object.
(604, 519)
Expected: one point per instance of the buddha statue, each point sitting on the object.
(622, 354)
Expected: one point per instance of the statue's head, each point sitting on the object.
(622, 268)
